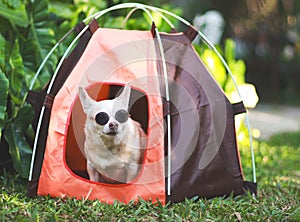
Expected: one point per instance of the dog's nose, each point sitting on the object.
(113, 126)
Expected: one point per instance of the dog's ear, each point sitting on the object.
(85, 99)
(124, 97)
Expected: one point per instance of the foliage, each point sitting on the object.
(25, 40)
(277, 199)
(3, 94)
(68, 14)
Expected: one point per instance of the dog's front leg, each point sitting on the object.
(132, 171)
(94, 175)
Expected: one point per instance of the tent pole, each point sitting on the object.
(167, 91)
(44, 62)
(35, 143)
(48, 91)
(203, 37)
(168, 115)
(161, 15)
(169, 138)
(157, 10)
(145, 9)
(64, 57)
(168, 100)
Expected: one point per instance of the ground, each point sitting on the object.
(272, 119)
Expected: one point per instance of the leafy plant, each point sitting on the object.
(24, 41)
(3, 94)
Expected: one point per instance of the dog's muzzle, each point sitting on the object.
(113, 128)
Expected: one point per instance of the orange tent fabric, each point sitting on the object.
(106, 60)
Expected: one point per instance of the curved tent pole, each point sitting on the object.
(145, 9)
(160, 14)
(157, 10)
(169, 137)
(44, 63)
(59, 65)
(64, 57)
(203, 37)
(165, 73)
(139, 6)
(39, 125)
(128, 16)
(167, 90)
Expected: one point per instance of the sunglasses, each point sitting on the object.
(121, 116)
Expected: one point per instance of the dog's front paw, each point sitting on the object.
(93, 173)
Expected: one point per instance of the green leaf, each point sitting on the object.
(5, 51)
(24, 117)
(238, 69)
(2, 51)
(19, 149)
(14, 3)
(17, 16)
(215, 66)
(41, 37)
(4, 84)
(62, 9)
(17, 74)
(229, 50)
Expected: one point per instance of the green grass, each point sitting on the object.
(278, 199)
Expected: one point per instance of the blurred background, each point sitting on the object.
(267, 34)
(267, 38)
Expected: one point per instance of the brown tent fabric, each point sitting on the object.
(205, 159)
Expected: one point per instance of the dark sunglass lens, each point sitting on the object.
(121, 116)
(102, 118)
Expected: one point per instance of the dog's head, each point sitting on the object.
(106, 117)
